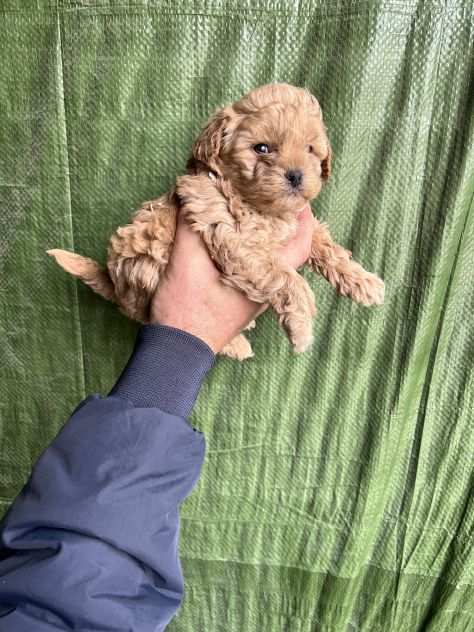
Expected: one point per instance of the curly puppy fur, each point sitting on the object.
(255, 165)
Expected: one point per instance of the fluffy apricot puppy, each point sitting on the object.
(254, 167)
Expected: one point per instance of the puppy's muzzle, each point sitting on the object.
(294, 177)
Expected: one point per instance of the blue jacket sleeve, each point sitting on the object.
(91, 543)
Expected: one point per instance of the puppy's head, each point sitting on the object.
(272, 146)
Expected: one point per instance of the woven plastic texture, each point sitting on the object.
(337, 489)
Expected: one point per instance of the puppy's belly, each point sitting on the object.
(139, 253)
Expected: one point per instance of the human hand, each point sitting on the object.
(192, 298)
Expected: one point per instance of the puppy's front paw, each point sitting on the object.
(301, 336)
(303, 344)
(371, 290)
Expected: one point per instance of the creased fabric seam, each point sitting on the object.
(62, 105)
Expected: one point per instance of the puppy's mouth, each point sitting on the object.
(297, 202)
(297, 197)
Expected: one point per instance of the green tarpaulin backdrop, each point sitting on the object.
(337, 489)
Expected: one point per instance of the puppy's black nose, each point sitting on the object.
(295, 176)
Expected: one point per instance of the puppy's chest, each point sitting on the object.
(256, 229)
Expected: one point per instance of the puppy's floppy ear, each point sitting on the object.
(315, 105)
(326, 164)
(212, 139)
(327, 161)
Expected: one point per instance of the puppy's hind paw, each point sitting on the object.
(239, 348)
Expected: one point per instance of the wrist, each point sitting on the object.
(165, 370)
(216, 330)
(185, 325)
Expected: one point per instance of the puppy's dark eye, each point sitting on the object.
(261, 148)
(310, 149)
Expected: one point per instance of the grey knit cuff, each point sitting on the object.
(165, 370)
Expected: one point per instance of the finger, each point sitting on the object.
(305, 219)
(186, 237)
(189, 254)
(298, 249)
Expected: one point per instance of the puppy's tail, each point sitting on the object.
(87, 270)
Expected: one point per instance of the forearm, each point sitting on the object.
(91, 541)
